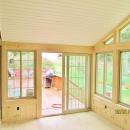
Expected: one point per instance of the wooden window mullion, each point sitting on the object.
(20, 74)
(104, 74)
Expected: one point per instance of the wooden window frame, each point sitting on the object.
(119, 32)
(87, 84)
(120, 80)
(106, 40)
(109, 36)
(34, 78)
(104, 79)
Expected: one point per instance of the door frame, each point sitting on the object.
(0, 82)
(42, 115)
(87, 87)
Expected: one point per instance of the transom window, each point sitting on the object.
(125, 78)
(125, 34)
(109, 41)
(20, 74)
(104, 74)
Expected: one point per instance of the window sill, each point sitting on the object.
(102, 98)
(123, 106)
(16, 99)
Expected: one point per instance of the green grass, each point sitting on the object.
(77, 76)
(125, 91)
(124, 95)
(126, 80)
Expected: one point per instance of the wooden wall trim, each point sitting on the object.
(117, 46)
(116, 77)
(48, 47)
(38, 84)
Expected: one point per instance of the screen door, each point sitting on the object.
(76, 82)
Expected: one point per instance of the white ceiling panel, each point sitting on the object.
(78, 22)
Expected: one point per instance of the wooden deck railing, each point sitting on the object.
(76, 91)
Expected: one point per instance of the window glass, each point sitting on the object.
(77, 67)
(109, 41)
(20, 74)
(104, 74)
(125, 78)
(27, 74)
(100, 74)
(108, 75)
(14, 74)
(125, 34)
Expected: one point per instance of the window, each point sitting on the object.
(109, 41)
(125, 78)
(104, 74)
(125, 34)
(13, 74)
(20, 74)
(100, 74)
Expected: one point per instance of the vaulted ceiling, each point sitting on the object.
(78, 22)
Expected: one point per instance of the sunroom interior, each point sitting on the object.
(59, 62)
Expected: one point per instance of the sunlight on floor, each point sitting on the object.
(79, 121)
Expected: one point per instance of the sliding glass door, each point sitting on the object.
(76, 82)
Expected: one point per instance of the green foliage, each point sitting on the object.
(47, 64)
(125, 34)
(14, 60)
(56, 66)
(125, 95)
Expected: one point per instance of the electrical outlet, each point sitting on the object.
(17, 108)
